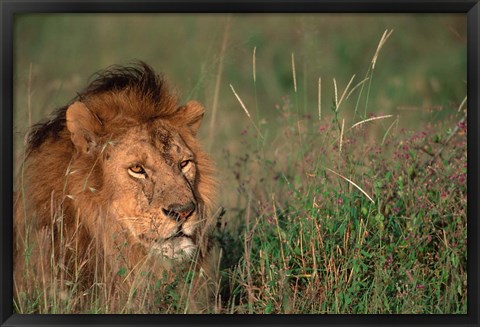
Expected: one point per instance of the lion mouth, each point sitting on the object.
(178, 234)
(149, 238)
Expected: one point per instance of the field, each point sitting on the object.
(340, 143)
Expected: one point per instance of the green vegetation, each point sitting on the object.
(342, 194)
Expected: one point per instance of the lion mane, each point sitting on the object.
(115, 181)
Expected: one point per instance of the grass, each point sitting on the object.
(356, 206)
(317, 244)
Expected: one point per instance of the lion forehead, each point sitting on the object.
(168, 141)
(146, 141)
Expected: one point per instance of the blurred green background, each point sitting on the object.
(420, 75)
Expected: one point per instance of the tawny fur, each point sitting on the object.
(65, 211)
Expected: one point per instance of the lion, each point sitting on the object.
(114, 184)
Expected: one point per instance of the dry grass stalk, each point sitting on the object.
(341, 134)
(319, 98)
(462, 104)
(370, 119)
(247, 249)
(279, 233)
(254, 64)
(384, 39)
(336, 93)
(344, 92)
(294, 73)
(388, 130)
(218, 79)
(355, 87)
(29, 96)
(241, 102)
(351, 182)
(246, 110)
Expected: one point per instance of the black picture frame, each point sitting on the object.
(10, 8)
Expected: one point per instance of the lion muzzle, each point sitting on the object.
(180, 212)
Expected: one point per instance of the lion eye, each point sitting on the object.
(137, 171)
(184, 164)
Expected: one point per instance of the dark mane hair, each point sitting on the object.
(138, 77)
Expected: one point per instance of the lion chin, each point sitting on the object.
(180, 248)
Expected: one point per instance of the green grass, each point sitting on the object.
(317, 244)
(300, 234)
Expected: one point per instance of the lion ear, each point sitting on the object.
(83, 126)
(192, 114)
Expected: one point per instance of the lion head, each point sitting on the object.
(117, 174)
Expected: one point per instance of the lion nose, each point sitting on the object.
(180, 212)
